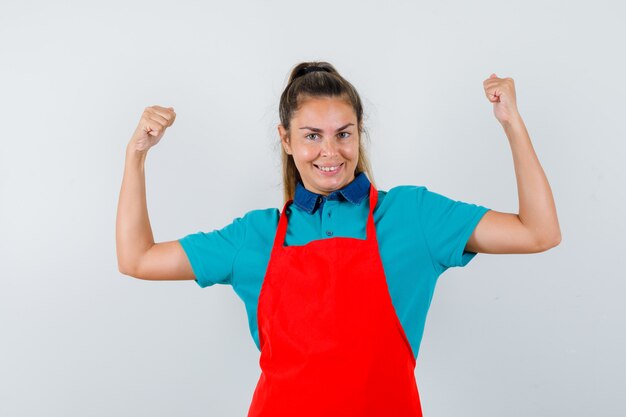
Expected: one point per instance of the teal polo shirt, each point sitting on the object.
(420, 234)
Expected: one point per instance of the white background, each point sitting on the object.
(509, 335)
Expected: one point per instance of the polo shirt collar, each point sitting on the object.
(354, 192)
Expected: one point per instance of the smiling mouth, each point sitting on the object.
(331, 168)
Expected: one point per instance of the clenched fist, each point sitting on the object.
(501, 92)
(152, 125)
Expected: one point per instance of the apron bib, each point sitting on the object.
(331, 342)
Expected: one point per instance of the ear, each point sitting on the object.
(284, 139)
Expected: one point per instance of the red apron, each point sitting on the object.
(331, 342)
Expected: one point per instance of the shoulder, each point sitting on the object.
(405, 190)
(414, 194)
(261, 220)
(399, 207)
(400, 196)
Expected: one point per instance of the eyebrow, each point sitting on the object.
(315, 129)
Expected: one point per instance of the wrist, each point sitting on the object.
(515, 129)
(513, 122)
(132, 154)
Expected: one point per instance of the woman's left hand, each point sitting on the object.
(501, 92)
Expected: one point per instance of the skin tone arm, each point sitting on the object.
(536, 227)
(137, 253)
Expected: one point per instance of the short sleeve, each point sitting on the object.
(212, 254)
(448, 225)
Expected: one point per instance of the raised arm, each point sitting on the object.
(137, 253)
(536, 227)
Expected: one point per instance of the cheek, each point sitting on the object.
(300, 157)
(304, 154)
(351, 151)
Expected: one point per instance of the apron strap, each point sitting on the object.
(370, 229)
(281, 231)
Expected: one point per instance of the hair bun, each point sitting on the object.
(312, 68)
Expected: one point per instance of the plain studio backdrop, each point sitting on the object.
(508, 335)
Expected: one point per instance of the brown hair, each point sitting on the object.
(326, 83)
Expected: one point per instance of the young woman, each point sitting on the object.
(337, 284)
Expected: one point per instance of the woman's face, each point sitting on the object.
(324, 143)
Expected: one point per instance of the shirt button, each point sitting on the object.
(329, 233)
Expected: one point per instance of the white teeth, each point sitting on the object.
(329, 169)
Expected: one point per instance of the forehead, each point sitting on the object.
(324, 111)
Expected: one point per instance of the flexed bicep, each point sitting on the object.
(163, 261)
(499, 232)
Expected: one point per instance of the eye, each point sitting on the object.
(344, 137)
(311, 134)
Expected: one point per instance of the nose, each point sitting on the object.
(329, 148)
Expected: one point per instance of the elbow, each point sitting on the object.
(127, 263)
(126, 269)
(131, 264)
(550, 241)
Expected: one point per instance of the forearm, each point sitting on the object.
(133, 232)
(537, 210)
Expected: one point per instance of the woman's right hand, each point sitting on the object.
(151, 127)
